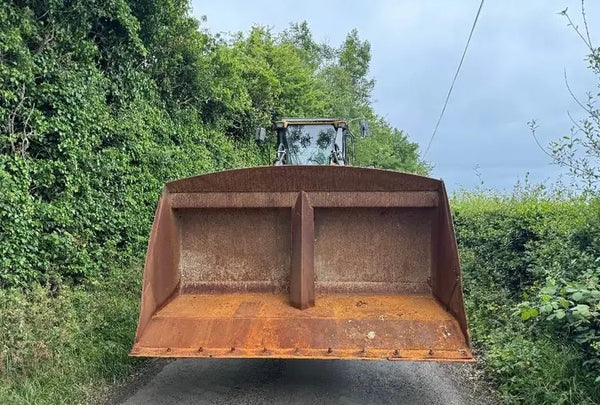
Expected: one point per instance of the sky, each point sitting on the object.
(513, 72)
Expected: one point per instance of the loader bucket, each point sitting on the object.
(326, 262)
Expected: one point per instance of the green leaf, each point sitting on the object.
(528, 313)
(578, 296)
(581, 311)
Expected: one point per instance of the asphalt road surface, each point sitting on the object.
(262, 381)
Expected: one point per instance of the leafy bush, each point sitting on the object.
(530, 271)
(67, 347)
(101, 103)
(573, 309)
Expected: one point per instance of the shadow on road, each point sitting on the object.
(259, 381)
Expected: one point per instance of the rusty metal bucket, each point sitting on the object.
(303, 262)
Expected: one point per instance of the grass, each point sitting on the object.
(69, 348)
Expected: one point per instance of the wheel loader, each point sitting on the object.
(309, 258)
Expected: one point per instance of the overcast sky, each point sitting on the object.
(513, 72)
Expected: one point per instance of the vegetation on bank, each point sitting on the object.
(531, 265)
(102, 102)
(69, 346)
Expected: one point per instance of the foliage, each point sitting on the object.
(86, 143)
(388, 148)
(69, 347)
(102, 102)
(530, 280)
(579, 152)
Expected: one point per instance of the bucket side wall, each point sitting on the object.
(446, 280)
(161, 275)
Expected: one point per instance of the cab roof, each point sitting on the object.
(336, 122)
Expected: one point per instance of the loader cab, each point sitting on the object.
(316, 141)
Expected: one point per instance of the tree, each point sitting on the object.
(389, 148)
(579, 151)
(102, 102)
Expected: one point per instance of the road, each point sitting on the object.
(260, 381)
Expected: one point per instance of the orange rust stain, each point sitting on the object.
(267, 305)
(338, 326)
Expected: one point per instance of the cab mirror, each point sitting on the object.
(364, 128)
(261, 135)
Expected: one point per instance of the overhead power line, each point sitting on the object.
(454, 79)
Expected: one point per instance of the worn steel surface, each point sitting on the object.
(266, 241)
(357, 249)
(247, 247)
(307, 178)
(338, 326)
(302, 272)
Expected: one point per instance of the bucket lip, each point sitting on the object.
(304, 178)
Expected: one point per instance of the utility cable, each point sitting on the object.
(454, 79)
